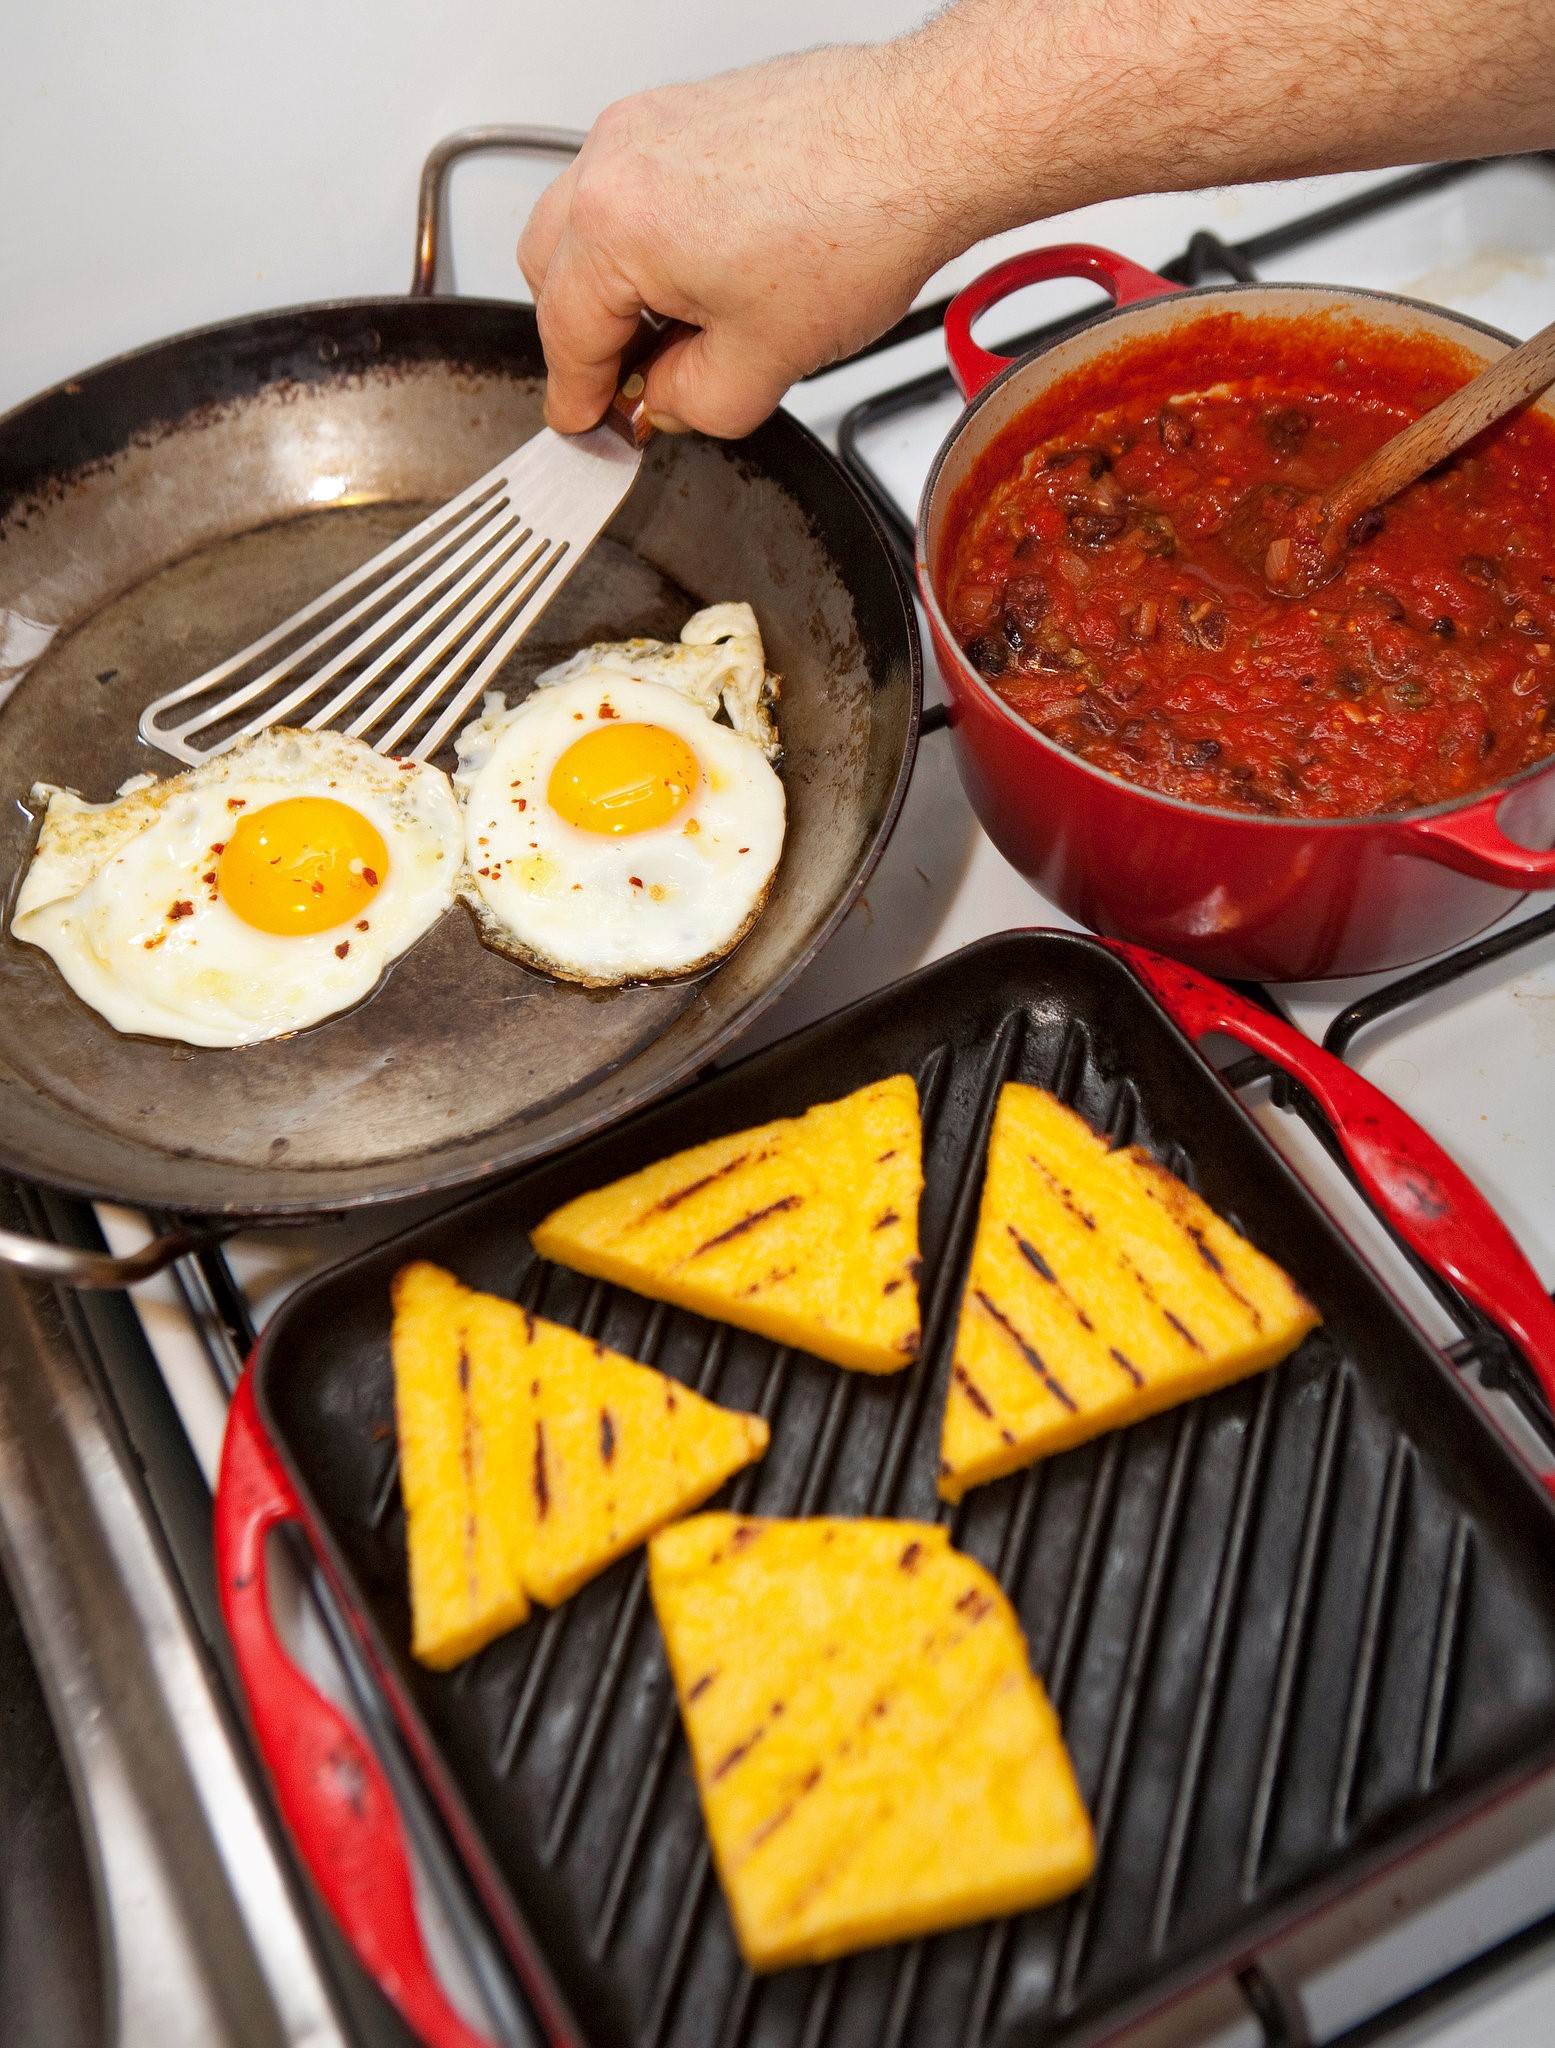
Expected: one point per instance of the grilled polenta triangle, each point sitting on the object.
(874, 1757)
(805, 1230)
(532, 1457)
(608, 1450)
(1101, 1289)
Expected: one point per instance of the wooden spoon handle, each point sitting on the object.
(1518, 375)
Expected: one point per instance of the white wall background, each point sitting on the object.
(164, 163)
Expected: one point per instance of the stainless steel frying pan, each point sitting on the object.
(166, 507)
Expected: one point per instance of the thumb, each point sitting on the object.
(715, 383)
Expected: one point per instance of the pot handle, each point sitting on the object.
(329, 1785)
(526, 141)
(1123, 281)
(1427, 1198)
(1473, 843)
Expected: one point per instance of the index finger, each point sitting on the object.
(544, 227)
(586, 316)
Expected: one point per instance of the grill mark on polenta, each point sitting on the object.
(885, 1219)
(674, 1199)
(1032, 1256)
(973, 1392)
(891, 1286)
(773, 1279)
(701, 1686)
(1032, 1356)
(607, 1436)
(748, 1222)
(467, 1472)
(1156, 1302)
(529, 1323)
(742, 1750)
(1220, 1273)
(1064, 1194)
(1035, 1259)
(1127, 1364)
(908, 1560)
(538, 1479)
(769, 1827)
(1166, 1196)
(974, 1604)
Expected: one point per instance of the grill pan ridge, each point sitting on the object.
(1292, 1629)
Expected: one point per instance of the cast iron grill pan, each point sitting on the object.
(1291, 1629)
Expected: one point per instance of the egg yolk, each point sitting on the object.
(623, 778)
(301, 865)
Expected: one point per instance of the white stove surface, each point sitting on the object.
(1476, 1065)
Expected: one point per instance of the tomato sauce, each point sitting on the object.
(1090, 583)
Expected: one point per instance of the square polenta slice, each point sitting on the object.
(532, 1457)
(1101, 1290)
(874, 1757)
(804, 1230)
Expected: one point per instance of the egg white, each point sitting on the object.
(599, 908)
(718, 661)
(101, 892)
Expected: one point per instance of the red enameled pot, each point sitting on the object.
(1276, 899)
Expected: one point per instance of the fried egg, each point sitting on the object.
(248, 897)
(615, 831)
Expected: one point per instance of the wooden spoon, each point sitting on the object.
(1296, 541)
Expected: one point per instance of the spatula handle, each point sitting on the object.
(628, 413)
(1509, 382)
(1428, 1199)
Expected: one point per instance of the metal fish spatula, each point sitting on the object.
(398, 651)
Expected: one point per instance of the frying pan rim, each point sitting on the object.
(495, 1159)
(1303, 1901)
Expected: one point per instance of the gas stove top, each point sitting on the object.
(1459, 1947)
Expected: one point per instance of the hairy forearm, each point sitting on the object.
(790, 212)
(1017, 109)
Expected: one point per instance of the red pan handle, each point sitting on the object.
(330, 1787)
(1472, 842)
(1431, 1202)
(1124, 282)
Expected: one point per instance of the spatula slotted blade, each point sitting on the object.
(398, 651)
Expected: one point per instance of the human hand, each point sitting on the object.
(775, 210)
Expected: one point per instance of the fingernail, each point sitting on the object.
(666, 423)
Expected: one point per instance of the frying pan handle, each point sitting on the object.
(526, 141)
(1124, 282)
(1428, 1199)
(329, 1785)
(72, 1266)
(1473, 843)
